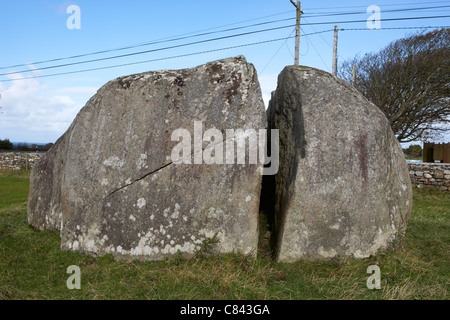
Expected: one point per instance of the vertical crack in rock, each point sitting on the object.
(285, 104)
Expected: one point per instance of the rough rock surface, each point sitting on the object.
(343, 188)
(109, 184)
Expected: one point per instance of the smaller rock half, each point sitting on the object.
(343, 187)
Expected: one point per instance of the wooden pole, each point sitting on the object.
(354, 75)
(335, 50)
(297, 32)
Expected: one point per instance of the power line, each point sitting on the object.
(149, 51)
(165, 40)
(384, 5)
(210, 40)
(320, 35)
(307, 48)
(339, 56)
(382, 20)
(290, 52)
(312, 44)
(235, 23)
(196, 34)
(152, 60)
(214, 50)
(184, 36)
(293, 30)
(383, 11)
(165, 58)
(141, 45)
(393, 28)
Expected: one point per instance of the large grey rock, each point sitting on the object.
(109, 184)
(343, 188)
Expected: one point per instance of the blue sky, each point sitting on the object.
(41, 109)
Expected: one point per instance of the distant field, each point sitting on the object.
(33, 267)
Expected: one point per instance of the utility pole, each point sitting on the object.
(297, 31)
(335, 50)
(354, 75)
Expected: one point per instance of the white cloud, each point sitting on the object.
(30, 113)
(35, 70)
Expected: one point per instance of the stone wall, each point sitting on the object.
(18, 160)
(430, 175)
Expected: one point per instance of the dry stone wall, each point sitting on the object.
(18, 160)
(430, 175)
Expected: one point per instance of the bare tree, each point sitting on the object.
(409, 81)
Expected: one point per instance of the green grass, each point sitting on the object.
(13, 187)
(32, 266)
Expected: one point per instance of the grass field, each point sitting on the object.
(32, 266)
